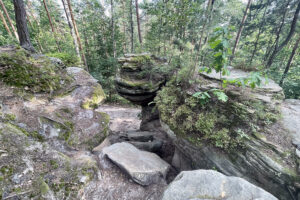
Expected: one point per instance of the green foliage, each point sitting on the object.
(204, 96)
(68, 59)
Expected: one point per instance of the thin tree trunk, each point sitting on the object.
(258, 35)
(287, 39)
(113, 27)
(71, 29)
(37, 39)
(138, 20)
(22, 28)
(9, 20)
(124, 26)
(131, 26)
(5, 24)
(77, 34)
(51, 24)
(204, 24)
(290, 61)
(238, 36)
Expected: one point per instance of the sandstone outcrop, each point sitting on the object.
(248, 136)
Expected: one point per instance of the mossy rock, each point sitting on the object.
(97, 97)
(20, 69)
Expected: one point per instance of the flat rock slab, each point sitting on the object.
(269, 84)
(210, 184)
(290, 118)
(143, 167)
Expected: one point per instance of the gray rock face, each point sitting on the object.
(143, 167)
(291, 116)
(209, 184)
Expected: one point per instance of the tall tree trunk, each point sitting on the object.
(5, 24)
(9, 20)
(290, 61)
(51, 24)
(124, 26)
(209, 4)
(287, 39)
(138, 20)
(113, 27)
(22, 28)
(131, 26)
(77, 34)
(71, 29)
(238, 36)
(37, 38)
(259, 33)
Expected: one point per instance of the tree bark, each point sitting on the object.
(113, 27)
(138, 20)
(77, 35)
(238, 36)
(290, 61)
(124, 26)
(5, 24)
(287, 39)
(209, 4)
(131, 26)
(9, 20)
(71, 29)
(22, 28)
(51, 24)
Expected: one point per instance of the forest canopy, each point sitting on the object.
(261, 35)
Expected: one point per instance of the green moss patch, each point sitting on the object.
(19, 69)
(225, 125)
(97, 97)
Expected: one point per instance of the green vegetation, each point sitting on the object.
(32, 75)
(68, 59)
(223, 124)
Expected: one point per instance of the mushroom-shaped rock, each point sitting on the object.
(138, 78)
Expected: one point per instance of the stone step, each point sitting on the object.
(143, 167)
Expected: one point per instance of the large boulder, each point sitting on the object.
(209, 184)
(243, 137)
(47, 125)
(143, 167)
(60, 107)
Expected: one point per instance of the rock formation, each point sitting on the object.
(138, 79)
(243, 137)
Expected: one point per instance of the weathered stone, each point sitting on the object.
(141, 136)
(264, 156)
(209, 184)
(290, 119)
(136, 79)
(143, 167)
(151, 146)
